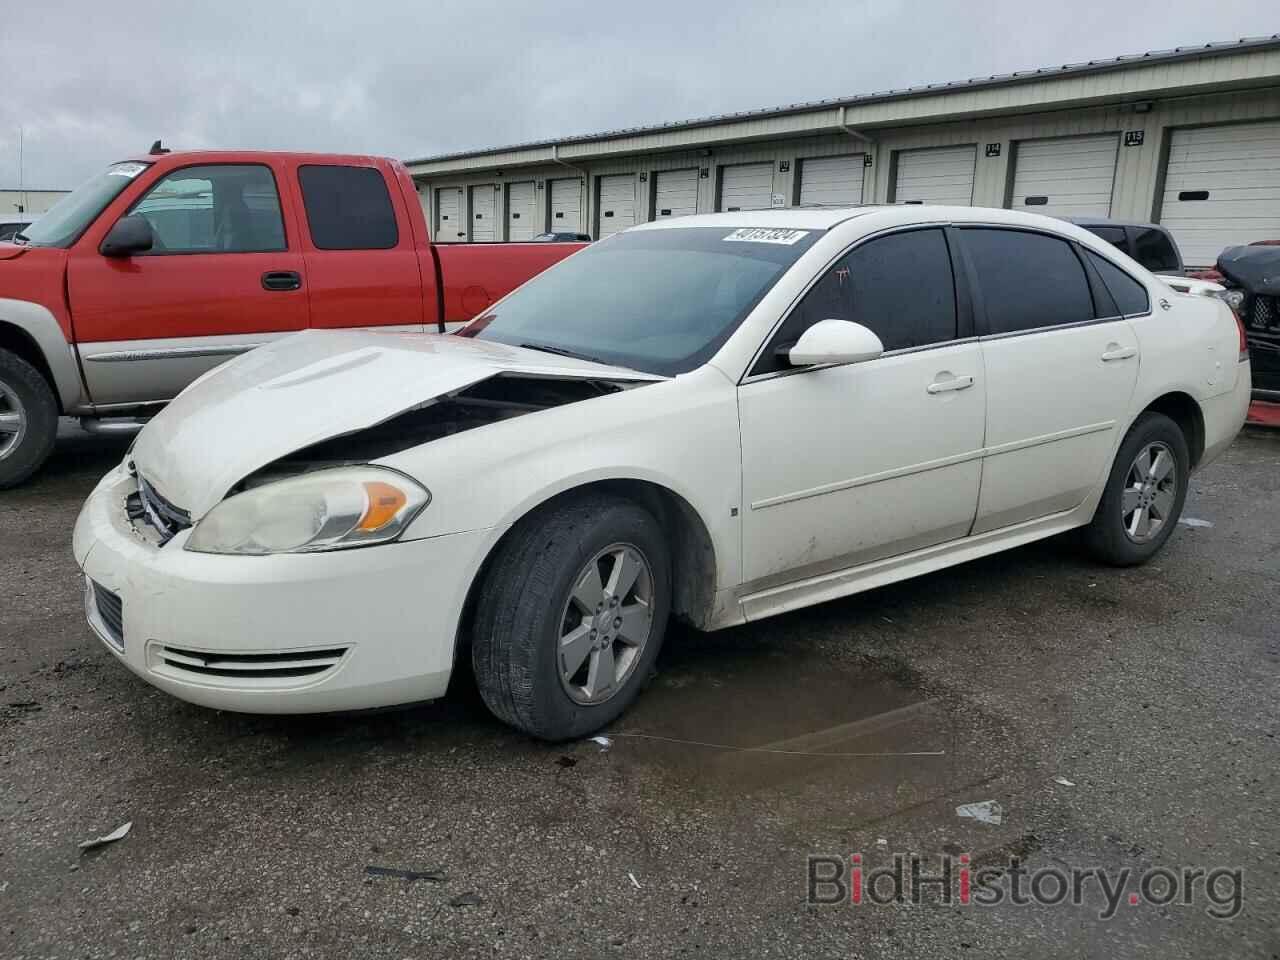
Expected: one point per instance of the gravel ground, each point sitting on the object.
(1151, 690)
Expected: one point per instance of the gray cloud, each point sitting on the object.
(91, 82)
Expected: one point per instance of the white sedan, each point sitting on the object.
(717, 418)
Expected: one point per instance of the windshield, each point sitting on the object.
(62, 225)
(661, 301)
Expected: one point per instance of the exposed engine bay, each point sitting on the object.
(502, 397)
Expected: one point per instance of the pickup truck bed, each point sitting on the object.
(167, 264)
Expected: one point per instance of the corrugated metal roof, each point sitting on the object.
(1018, 76)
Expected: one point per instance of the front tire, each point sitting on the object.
(571, 616)
(28, 419)
(1144, 495)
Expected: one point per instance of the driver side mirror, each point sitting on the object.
(130, 235)
(835, 341)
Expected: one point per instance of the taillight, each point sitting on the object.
(1235, 300)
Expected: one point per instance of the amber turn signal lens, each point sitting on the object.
(385, 502)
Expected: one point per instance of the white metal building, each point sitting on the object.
(14, 201)
(1187, 137)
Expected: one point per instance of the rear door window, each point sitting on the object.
(1130, 296)
(1028, 280)
(348, 208)
(1154, 250)
(901, 286)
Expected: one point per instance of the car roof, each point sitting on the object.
(790, 218)
(1109, 222)
(882, 216)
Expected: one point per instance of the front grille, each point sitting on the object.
(149, 506)
(251, 666)
(1262, 314)
(110, 613)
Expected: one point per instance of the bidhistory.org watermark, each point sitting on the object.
(947, 879)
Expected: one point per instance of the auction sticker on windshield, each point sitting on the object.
(765, 235)
(129, 170)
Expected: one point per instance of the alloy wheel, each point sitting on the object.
(1150, 492)
(605, 624)
(13, 420)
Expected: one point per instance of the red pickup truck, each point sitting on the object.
(165, 265)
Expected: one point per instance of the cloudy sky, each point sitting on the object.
(91, 81)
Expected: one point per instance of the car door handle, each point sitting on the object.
(955, 383)
(1116, 352)
(281, 280)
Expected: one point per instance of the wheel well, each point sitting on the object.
(20, 343)
(1182, 409)
(693, 561)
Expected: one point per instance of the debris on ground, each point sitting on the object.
(634, 880)
(1194, 522)
(985, 811)
(604, 742)
(1063, 781)
(119, 833)
(468, 899)
(435, 876)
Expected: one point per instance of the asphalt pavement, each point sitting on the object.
(1122, 722)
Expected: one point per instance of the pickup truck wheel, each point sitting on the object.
(1144, 494)
(571, 616)
(28, 419)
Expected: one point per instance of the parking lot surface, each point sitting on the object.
(856, 727)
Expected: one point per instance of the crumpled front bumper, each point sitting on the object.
(291, 633)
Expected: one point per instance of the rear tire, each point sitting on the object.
(547, 600)
(28, 419)
(1144, 494)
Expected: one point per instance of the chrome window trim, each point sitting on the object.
(900, 352)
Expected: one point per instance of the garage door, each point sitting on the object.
(449, 223)
(675, 193)
(1221, 188)
(566, 206)
(746, 186)
(833, 180)
(482, 213)
(520, 211)
(1066, 177)
(936, 176)
(617, 206)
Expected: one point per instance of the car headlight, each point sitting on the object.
(329, 509)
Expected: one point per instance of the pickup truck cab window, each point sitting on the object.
(1153, 249)
(1115, 236)
(1029, 280)
(62, 225)
(348, 208)
(219, 208)
(901, 286)
(661, 301)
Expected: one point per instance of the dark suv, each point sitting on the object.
(1148, 243)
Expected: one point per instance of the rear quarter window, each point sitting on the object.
(348, 208)
(1130, 296)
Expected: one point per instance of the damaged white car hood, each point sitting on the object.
(310, 387)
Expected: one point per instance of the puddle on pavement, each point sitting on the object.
(778, 725)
